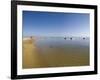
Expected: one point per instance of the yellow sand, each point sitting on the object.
(31, 58)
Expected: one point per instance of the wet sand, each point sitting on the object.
(34, 57)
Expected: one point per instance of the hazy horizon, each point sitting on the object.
(59, 36)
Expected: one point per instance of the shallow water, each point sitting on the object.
(60, 42)
(64, 52)
(56, 52)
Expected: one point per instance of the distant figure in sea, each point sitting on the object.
(65, 38)
(31, 37)
(83, 37)
(71, 38)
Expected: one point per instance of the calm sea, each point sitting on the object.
(62, 42)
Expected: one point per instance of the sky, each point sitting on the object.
(37, 23)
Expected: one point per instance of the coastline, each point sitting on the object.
(34, 57)
(31, 58)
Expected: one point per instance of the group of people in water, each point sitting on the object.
(66, 38)
(72, 38)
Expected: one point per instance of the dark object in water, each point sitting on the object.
(70, 38)
(83, 37)
(65, 38)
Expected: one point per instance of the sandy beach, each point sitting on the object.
(31, 58)
(35, 57)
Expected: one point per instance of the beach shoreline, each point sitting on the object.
(34, 57)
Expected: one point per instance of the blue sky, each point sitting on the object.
(37, 23)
